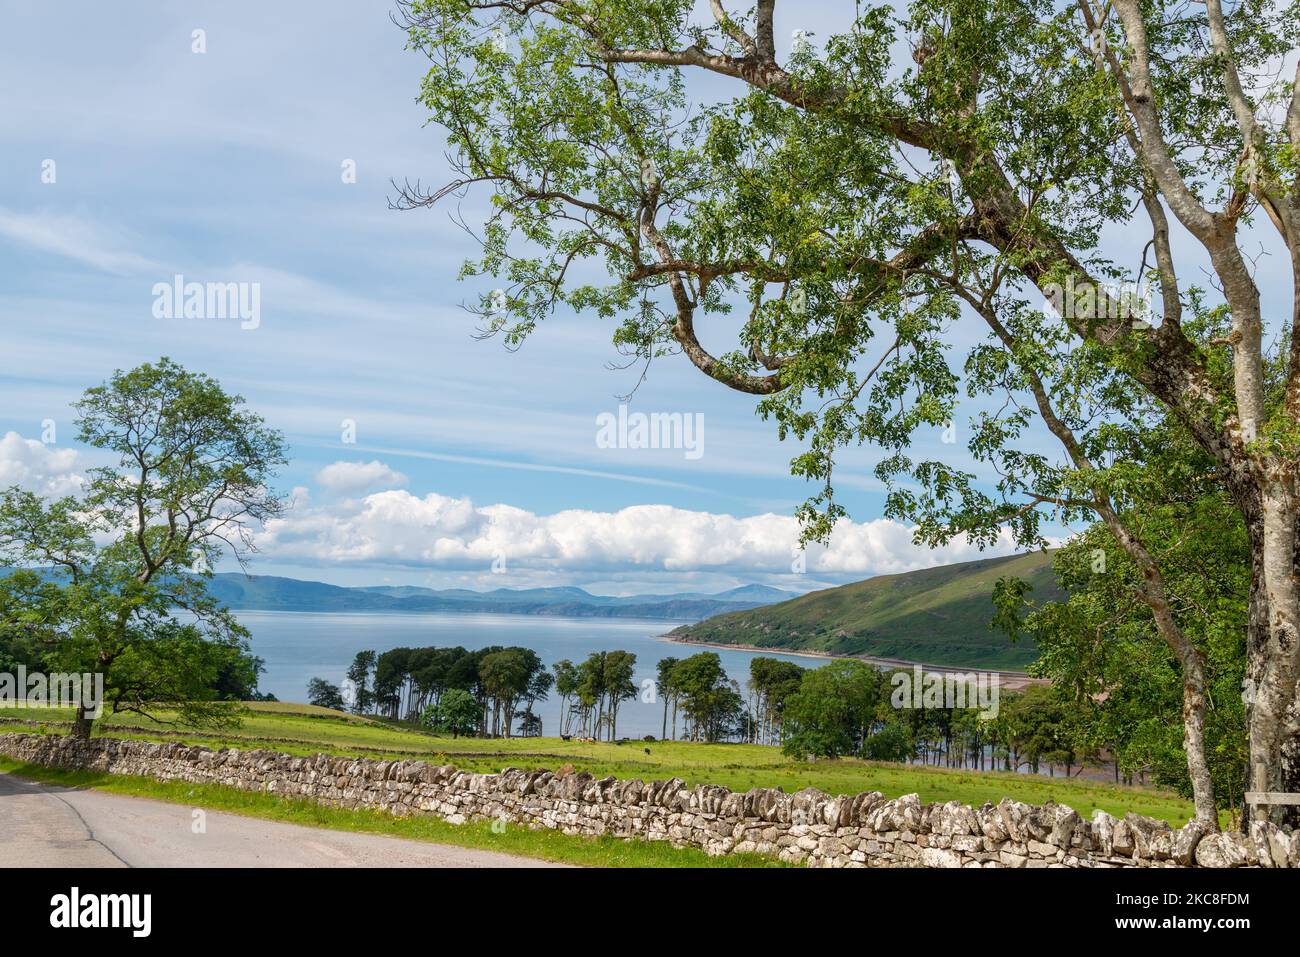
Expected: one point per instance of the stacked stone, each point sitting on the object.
(810, 826)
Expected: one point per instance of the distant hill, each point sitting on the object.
(272, 593)
(937, 615)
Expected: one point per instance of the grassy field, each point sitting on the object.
(300, 729)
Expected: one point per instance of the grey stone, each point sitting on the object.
(1224, 850)
(847, 830)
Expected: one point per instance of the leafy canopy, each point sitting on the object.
(114, 580)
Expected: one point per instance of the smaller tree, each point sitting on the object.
(323, 694)
(566, 686)
(539, 689)
(709, 698)
(772, 681)
(359, 678)
(456, 714)
(530, 725)
(620, 666)
(664, 687)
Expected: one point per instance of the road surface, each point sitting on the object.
(45, 825)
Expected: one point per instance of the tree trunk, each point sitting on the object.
(1190, 659)
(1273, 657)
(1198, 769)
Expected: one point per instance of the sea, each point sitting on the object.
(299, 646)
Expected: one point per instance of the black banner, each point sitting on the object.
(140, 908)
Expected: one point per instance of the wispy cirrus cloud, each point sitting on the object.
(75, 237)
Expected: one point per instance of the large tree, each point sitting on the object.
(507, 677)
(860, 206)
(114, 580)
(832, 712)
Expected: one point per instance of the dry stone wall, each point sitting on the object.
(861, 830)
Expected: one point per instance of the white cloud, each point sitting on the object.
(395, 527)
(37, 467)
(349, 478)
(75, 238)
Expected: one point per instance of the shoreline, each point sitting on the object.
(1009, 680)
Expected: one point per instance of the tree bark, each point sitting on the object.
(1273, 641)
(1198, 768)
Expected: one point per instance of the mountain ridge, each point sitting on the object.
(278, 593)
(938, 615)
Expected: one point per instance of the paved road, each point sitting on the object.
(49, 826)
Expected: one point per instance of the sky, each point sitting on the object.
(419, 455)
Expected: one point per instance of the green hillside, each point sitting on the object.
(937, 616)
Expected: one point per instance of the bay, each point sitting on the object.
(299, 646)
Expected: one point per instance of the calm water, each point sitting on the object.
(298, 646)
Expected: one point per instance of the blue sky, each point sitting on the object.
(227, 166)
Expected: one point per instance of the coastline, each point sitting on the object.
(1009, 680)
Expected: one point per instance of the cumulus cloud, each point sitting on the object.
(37, 467)
(349, 478)
(395, 527)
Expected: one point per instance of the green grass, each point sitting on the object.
(541, 844)
(937, 615)
(296, 729)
